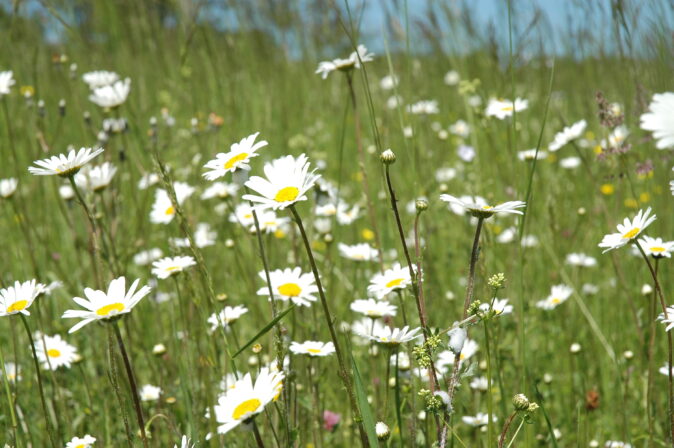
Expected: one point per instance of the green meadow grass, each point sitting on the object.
(253, 83)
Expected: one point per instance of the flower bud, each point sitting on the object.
(520, 402)
(421, 205)
(383, 431)
(387, 157)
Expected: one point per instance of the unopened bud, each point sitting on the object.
(387, 157)
(383, 431)
(421, 205)
(521, 402)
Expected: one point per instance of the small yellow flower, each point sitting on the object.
(27, 91)
(644, 197)
(367, 234)
(631, 203)
(607, 189)
(598, 150)
(589, 135)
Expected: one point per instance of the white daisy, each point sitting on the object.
(8, 187)
(245, 400)
(148, 180)
(226, 316)
(479, 383)
(6, 82)
(569, 163)
(499, 306)
(147, 256)
(100, 78)
(617, 444)
(353, 61)
(243, 214)
(531, 154)
(63, 165)
(357, 252)
(481, 209)
(395, 336)
(237, 158)
(13, 372)
(388, 82)
(660, 119)
(111, 95)
(398, 277)
(664, 370)
(364, 328)
(81, 442)
(312, 348)
(203, 237)
(220, 190)
(101, 305)
(185, 443)
(373, 308)
(53, 352)
(426, 107)
(96, 178)
(567, 135)
(627, 231)
(452, 78)
(460, 128)
(447, 357)
(480, 419)
(581, 260)
(18, 298)
(149, 392)
(669, 320)
(504, 108)
(656, 247)
(288, 180)
(163, 210)
(168, 266)
(558, 295)
(270, 222)
(290, 284)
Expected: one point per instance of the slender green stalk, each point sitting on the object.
(115, 386)
(10, 402)
(258, 437)
(50, 430)
(490, 395)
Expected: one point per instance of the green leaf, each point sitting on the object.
(264, 330)
(364, 406)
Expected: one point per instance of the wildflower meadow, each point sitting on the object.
(336, 223)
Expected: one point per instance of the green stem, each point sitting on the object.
(490, 397)
(10, 401)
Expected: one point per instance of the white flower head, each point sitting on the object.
(425, 107)
(163, 210)
(567, 135)
(660, 119)
(357, 252)
(581, 260)
(395, 336)
(312, 348)
(628, 231)
(53, 352)
(656, 247)
(373, 308)
(111, 95)
(502, 109)
(398, 277)
(238, 157)
(291, 285)
(64, 165)
(227, 316)
(8, 187)
(558, 295)
(149, 392)
(6, 82)
(100, 78)
(480, 419)
(19, 297)
(169, 266)
(480, 209)
(353, 61)
(81, 442)
(96, 178)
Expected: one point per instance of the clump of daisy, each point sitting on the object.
(101, 305)
(169, 266)
(481, 209)
(628, 231)
(237, 158)
(100, 78)
(54, 352)
(312, 348)
(558, 295)
(291, 285)
(64, 165)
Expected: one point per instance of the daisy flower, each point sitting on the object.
(669, 320)
(353, 61)
(581, 260)
(452, 78)
(147, 256)
(479, 383)
(617, 444)
(13, 372)
(97, 178)
(245, 400)
(148, 180)
(388, 82)
(203, 237)
(168, 266)
(660, 119)
(393, 279)
(220, 190)
(101, 305)
(226, 316)
(558, 295)
(664, 370)
(8, 187)
(81, 442)
(18, 298)
(64, 165)
(269, 222)
(426, 107)
(373, 308)
(364, 328)
(656, 247)
(499, 306)
(628, 231)
(237, 158)
(100, 78)
(395, 336)
(184, 443)
(149, 393)
(504, 108)
(291, 284)
(483, 210)
(312, 348)
(53, 352)
(567, 135)
(163, 210)
(111, 95)
(460, 128)
(243, 214)
(357, 252)
(6, 82)
(448, 357)
(480, 419)
(531, 154)
(288, 180)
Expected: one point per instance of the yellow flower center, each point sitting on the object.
(287, 194)
(657, 249)
(53, 353)
(246, 408)
(462, 357)
(81, 445)
(234, 160)
(395, 282)
(17, 306)
(632, 233)
(290, 290)
(107, 309)
(170, 211)
(373, 313)
(507, 108)
(555, 300)
(487, 207)
(313, 350)
(172, 268)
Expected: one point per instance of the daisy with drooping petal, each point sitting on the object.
(567, 135)
(237, 158)
(64, 165)
(357, 252)
(660, 119)
(395, 336)
(581, 260)
(105, 305)
(288, 180)
(8, 187)
(13, 372)
(100, 78)
(558, 295)
(163, 210)
(655, 247)
(245, 400)
(53, 352)
(393, 279)
(6, 82)
(628, 231)
(480, 210)
(312, 348)
(499, 306)
(669, 320)
(353, 61)
(168, 266)
(226, 316)
(18, 298)
(291, 284)
(504, 108)
(373, 308)
(97, 178)
(480, 419)
(81, 442)
(111, 95)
